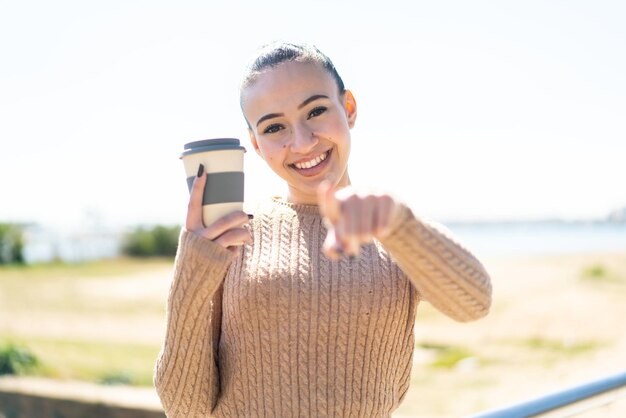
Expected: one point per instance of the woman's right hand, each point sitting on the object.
(228, 231)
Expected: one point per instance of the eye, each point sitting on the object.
(273, 128)
(317, 111)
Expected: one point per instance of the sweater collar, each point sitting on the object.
(299, 208)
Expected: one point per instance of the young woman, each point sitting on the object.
(313, 316)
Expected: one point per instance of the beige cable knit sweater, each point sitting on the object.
(282, 331)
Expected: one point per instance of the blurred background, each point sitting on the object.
(502, 120)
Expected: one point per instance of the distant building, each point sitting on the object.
(618, 215)
(42, 244)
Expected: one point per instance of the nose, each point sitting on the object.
(303, 140)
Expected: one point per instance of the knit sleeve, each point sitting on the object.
(443, 272)
(186, 374)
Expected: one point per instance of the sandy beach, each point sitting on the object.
(556, 321)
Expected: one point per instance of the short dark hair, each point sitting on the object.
(274, 54)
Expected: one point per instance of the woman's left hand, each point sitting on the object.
(353, 218)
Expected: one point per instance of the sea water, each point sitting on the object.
(536, 238)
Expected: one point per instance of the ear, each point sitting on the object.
(349, 103)
(255, 145)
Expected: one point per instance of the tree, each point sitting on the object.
(156, 241)
(11, 244)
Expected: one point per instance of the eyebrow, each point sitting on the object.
(312, 99)
(269, 116)
(300, 106)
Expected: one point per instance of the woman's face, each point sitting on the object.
(300, 125)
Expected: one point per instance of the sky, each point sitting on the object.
(476, 110)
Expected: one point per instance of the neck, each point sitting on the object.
(298, 197)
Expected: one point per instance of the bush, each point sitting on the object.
(16, 360)
(151, 242)
(11, 244)
(596, 271)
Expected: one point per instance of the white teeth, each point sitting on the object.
(312, 163)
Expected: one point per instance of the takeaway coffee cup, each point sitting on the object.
(223, 162)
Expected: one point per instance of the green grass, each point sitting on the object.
(446, 356)
(560, 346)
(100, 268)
(100, 362)
(89, 292)
(64, 288)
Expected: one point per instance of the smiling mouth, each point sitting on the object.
(314, 162)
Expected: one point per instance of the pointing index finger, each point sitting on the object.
(329, 206)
